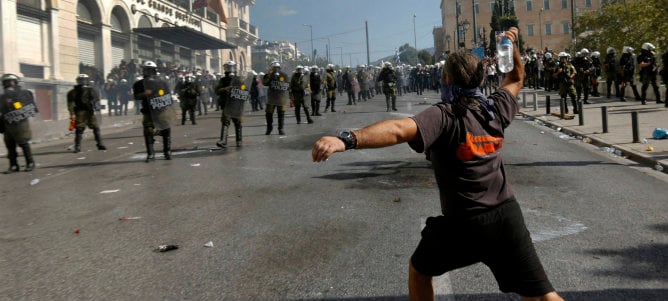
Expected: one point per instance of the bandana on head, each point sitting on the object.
(450, 93)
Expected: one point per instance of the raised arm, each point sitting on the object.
(514, 79)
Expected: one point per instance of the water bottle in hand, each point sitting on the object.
(504, 53)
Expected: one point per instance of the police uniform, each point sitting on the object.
(277, 97)
(299, 88)
(233, 94)
(585, 71)
(82, 102)
(16, 106)
(204, 97)
(124, 96)
(566, 74)
(315, 82)
(611, 68)
(648, 70)
(389, 80)
(111, 90)
(188, 92)
(664, 74)
(627, 70)
(596, 62)
(330, 87)
(156, 101)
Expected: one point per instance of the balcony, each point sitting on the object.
(241, 32)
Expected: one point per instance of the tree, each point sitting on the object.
(425, 57)
(503, 17)
(623, 23)
(408, 54)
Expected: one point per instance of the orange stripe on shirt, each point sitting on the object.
(478, 146)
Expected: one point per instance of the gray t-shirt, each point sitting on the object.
(465, 152)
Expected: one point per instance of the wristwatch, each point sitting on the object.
(349, 139)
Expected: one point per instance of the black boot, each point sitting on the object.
(167, 143)
(237, 132)
(223, 136)
(192, 116)
(149, 140)
(30, 163)
(13, 165)
(183, 117)
(387, 104)
(308, 117)
(270, 121)
(332, 104)
(327, 104)
(98, 139)
(78, 134)
(316, 108)
(576, 108)
(298, 114)
(394, 103)
(281, 120)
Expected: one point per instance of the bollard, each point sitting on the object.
(562, 108)
(547, 104)
(634, 126)
(524, 99)
(535, 101)
(604, 118)
(581, 120)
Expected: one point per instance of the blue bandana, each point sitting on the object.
(450, 93)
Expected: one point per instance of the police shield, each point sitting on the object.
(22, 106)
(234, 106)
(161, 107)
(277, 93)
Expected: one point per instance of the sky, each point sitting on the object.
(390, 25)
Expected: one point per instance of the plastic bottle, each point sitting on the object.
(658, 167)
(504, 54)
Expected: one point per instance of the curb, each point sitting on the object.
(629, 154)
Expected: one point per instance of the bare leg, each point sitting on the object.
(551, 296)
(420, 287)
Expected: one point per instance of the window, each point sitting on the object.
(548, 29)
(564, 4)
(588, 3)
(529, 5)
(565, 28)
(492, 6)
(546, 4)
(530, 30)
(477, 9)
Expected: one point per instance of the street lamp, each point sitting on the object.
(540, 27)
(447, 39)
(465, 27)
(341, 55)
(312, 52)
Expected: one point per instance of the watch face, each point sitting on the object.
(345, 135)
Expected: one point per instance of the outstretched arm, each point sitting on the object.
(380, 134)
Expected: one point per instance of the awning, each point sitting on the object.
(186, 37)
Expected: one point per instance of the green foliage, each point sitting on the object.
(623, 23)
(425, 57)
(408, 54)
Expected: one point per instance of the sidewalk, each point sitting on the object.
(620, 133)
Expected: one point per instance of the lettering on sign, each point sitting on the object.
(160, 102)
(24, 112)
(279, 85)
(239, 95)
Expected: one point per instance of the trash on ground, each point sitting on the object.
(397, 199)
(660, 133)
(131, 143)
(649, 149)
(122, 147)
(644, 141)
(81, 158)
(34, 182)
(166, 248)
(658, 167)
(564, 136)
(195, 164)
(77, 230)
(129, 218)
(586, 140)
(110, 191)
(209, 244)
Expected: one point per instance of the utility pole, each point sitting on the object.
(475, 28)
(417, 57)
(368, 57)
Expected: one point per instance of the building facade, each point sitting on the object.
(542, 23)
(49, 42)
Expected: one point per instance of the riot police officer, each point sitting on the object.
(596, 62)
(627, 69)
(347, 78)
(277, 96)
(156, 109)
(299, 87)
(124, 92)
(204, 98)
(82, 103)
(664, 74)
(389, 80)
(315, 82)
(233, 94)
(585, 71)
(611, 71)
(550, 66)
(188, 92)
(648, 69)
(330, 87)
(111, 90)
(566, 73)
(16, 106)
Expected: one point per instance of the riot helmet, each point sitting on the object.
(548, 55)
(275, 66)
(124, 81)
(387, 65)
(611, 50)
(584, 52)
(628, 49)
(190, 78)
(648, 47)
(330, 67)
(10, 80)
(595, 54)
(231, 67)
(82, 79)
(149, 69)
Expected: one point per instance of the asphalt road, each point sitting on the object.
(285, 228)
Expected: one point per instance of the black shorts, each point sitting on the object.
(498, 238)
